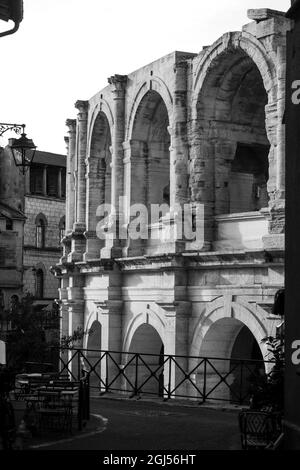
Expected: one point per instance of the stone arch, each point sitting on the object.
(155, 84)
(41, 217)
(251, 47)
(233, 151)
(228, 332)
(225, 308)
(40, 280)
(101, 107)
(98, 189)
(150, 318)
(145, 337)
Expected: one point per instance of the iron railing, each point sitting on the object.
(167, 376)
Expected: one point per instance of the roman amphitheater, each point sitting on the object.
(205, 128)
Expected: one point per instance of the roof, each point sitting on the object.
(294, 10)
(49, 158)
(11, 212)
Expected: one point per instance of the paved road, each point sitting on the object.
(142, 425)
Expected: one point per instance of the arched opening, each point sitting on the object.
(233, 145)
(40, 231)
(99, 182)
(39, 284)
(148, 344)
(93, 353)
(150, 155)
(235, 354)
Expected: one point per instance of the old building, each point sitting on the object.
(32, 216)
(45, 193)
(199, 129)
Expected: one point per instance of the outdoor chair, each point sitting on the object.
(259, 429)
(54, 413)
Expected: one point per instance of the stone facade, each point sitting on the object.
(25, 201)
(188, 128)
(40, 202)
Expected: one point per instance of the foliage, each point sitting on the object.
(30, 339)
(268, 390)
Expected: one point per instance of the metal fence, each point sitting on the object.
(167, 376)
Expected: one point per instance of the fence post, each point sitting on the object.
(79, 411)
(241, 383)
(170, 377)
(204, 380)
(136, 374)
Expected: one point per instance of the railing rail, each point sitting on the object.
(168, 376)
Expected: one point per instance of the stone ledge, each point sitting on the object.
(262, 14)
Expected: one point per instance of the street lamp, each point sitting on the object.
(23, 149)
(11, 10)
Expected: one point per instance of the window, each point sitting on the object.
(63, 183)
(36, 180)
(39, 284)
(40, 231)
(52, 182)
(9, 224)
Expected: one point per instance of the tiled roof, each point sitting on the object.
(49, 158)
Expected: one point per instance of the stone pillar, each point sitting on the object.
(202, 181)
(59, 182)
(179, 153)
(75, 305)
(70, 183)
(176, 343)
(95, 195)
(118, 89)
(78, 239)
(135, 186)
(82, 118)
(109, 314)
(224, 154)
(45, 180)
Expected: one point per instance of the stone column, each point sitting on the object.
(95, 195)
(78, 240)
(70, 183)
(202, 181)
(176, 316)
(59, 182)
(179, 153)
(75, 305)
(118, 89)
(82, 118)
(45, 180)
(224, 154)
(135, 186)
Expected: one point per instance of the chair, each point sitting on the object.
(259, 429)
(55, 413)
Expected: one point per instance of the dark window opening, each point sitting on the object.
(63, 183)
(248, 179)
(40, 234)
(9, 224)
(52, 182)
(36, 180)
(39, 287)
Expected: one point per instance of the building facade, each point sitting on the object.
(205, 130)
(45, 192)
(32, 219)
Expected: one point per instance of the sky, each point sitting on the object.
(64, 50)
